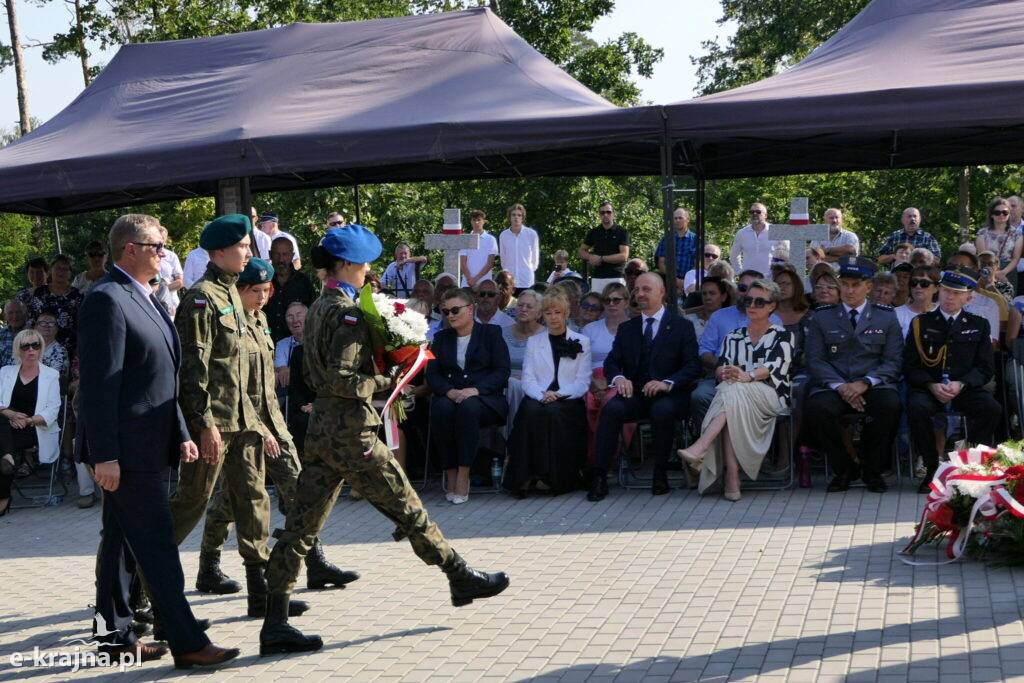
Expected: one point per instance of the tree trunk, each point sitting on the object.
(19, 68)
(83, 55)
(963, 204)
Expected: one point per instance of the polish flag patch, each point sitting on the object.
(200, 303)
(351, 320)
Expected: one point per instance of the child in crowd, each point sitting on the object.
(562, 269)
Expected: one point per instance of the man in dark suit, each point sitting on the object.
(652, 365)
(130, 429)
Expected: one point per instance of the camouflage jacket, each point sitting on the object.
(337, 357)
(262, 380)
(214, 356)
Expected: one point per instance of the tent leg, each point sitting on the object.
(359, 208)
(701, 207)
(233, 196)
(668, 187)
(56, 235)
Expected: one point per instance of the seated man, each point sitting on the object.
(652, 365)
(947, 361)
(853, 352)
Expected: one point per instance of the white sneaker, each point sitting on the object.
(448, 496)
(459, 500)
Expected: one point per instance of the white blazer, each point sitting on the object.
(539, 368)
(47, 406)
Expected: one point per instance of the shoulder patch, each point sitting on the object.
(199, 303)
(825, 307)
(227, 309)
(351, 320)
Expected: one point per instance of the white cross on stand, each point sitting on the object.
(799, 232)
(451, 241)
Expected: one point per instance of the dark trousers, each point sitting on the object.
(12, 440)
(664, 410)
(979, 407)
(138, 530)
(821, 418)
(455, 428)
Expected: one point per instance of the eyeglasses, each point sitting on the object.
(605, 213)
(336, 224)
(755, 211)
(609, 300)
(922, 282)
(756, 302)
(454, 310)
(34, 346)
(157, 246)
(487, 295)
(590, 307)
(711, 256)
(45, 323)
(1001, 212)
(743, 288)
(96, 255)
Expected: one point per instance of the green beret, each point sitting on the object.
(256, 273)
(225, 231)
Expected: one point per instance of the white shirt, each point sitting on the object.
(266, 241)
(520, 254)
(987, 309)
(170, 267)
(690, 279)
(906, 316)
(461, 346)
(844, 237)
(753, 251)
(476, 259)
(195, 265)
(601, 341)
(500, 318)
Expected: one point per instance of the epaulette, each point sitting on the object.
(884, 307)
(825, 307)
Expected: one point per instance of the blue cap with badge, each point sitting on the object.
(353, 243)
(857, 268)
(960, 278)
(256, 272)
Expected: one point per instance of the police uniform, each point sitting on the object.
(214, 393)
(284, 468)
(842, 349)
(342, 443)
(956, 348)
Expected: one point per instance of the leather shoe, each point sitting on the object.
(659, 484)
(148, 652)
(598, 488)
(841, 482)
(875, 484)
(211, 655)
(925, 485)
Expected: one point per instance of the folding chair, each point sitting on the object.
(783, 440)
(855, 423)
(40, 488)
(628, 477)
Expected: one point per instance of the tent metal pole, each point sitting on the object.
(702, 239)
(56, 235)
(668, 187)
(359, 208)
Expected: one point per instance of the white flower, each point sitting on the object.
(973, 468)
(974, 489)
(1012, 456)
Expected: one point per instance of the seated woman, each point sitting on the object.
(924, 296)
(601, 334)
(715, 293)
(29, 405)
(516, 335)
(468, 376)
(591, 309)
(825, 289)
(753, 390)
(546, 443)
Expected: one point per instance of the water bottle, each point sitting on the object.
(496, 472)
(945, 380)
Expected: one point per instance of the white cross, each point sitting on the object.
(451, 244)
(798, 234)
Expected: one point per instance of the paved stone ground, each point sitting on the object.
(793, 585)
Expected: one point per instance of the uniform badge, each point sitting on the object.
(200, 303)
(226, 310)
(351, 320)
(266, 330)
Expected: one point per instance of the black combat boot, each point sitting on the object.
(320, 572)
(211, 579)
(468, 584)
(256, 584)
(277, 636)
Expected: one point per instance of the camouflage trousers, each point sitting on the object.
(342, 444)
(284, 470)
(242, 465)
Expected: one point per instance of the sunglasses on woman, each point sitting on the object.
(590, 307)
(609, 300)
(34, 346)
(756, 302)
(1001, 212)
(922, 282)
(454, 310)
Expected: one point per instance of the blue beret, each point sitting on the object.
(857, 267)
(225, 231)
(352, 242)
(960, 278)
(256, 273)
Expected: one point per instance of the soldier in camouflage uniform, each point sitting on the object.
(282, 461)
(215, 402)
(342, 444)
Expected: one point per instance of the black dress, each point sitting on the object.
(23, 400)
(548, 440)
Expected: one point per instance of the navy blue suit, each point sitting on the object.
(673, 356)
(128, 412)
(487, 370)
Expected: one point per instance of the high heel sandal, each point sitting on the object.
(732, 496)
(694, 461)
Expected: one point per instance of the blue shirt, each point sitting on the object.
(352, 292)
(720, 324)
(918, 239)
(686, 251)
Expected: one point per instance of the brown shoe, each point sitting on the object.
(86, 501)
(211, 655)
(148, 652)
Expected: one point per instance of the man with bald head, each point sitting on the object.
(652, 365)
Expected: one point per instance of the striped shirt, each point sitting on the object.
(774, 351)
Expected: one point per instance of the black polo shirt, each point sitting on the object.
(606, 242)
